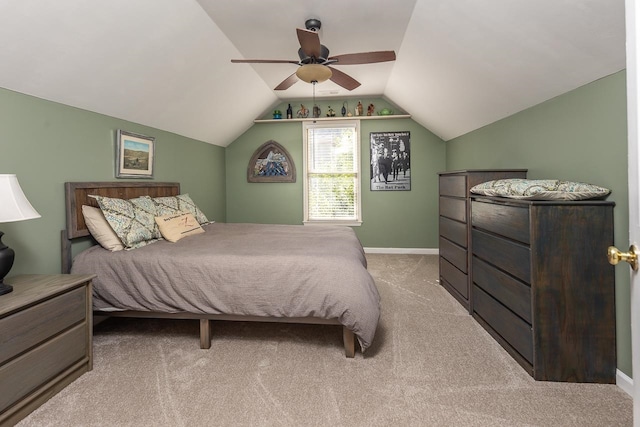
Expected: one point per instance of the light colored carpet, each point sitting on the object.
(431, 364)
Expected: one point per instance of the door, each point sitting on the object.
(633, 121)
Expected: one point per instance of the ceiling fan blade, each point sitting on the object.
(263, 61)
(364, 57)
(287, 83)
(309, 42)
(344, 80)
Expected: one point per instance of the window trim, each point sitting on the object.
(305, 173)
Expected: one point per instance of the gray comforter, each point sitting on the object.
(242, 269)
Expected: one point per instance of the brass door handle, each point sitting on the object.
(615, 256)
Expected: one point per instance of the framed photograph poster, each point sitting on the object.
(390, 161)
(134, 155)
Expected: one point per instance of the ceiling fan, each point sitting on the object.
(315, 60)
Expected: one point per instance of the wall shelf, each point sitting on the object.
(323, 119)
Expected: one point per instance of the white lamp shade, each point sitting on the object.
(14, 206)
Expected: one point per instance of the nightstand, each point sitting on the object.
(45, 340)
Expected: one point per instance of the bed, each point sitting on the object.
(237, 272)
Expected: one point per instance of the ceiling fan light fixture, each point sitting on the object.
(313, 73)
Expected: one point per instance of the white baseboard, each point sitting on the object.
(624, 382)
(403, 251)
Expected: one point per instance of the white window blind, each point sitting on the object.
(332, 172)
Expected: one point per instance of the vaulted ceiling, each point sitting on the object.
(461, 64)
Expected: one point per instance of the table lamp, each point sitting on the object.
(14, 206)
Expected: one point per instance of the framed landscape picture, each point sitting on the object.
(134, 155)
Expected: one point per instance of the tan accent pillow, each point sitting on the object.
(100, 229)
(174, 227)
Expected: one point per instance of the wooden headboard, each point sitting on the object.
(77, 194)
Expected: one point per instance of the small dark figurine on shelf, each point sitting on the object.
(316, 111)
(344, 108)
(370, 110)
(289, 112)
(330, 112)
(359, 109)
(303, 112)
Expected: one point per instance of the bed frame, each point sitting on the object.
(77, 194)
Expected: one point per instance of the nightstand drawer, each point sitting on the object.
(453, 208)
(508, 221)
(512, 257)
(454, 277)
(26, 328)
(511, 292)
(454, 231)
(454, 185)
(515, 331)
(23, 375)
(453, 253)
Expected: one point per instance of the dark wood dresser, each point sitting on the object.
(45, 340)
(542, 285)
(455, 226)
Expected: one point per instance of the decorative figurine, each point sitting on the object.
(316, 111)
(370, 109)
(303, 112)
(289, 112)
(359, 109)
(330, 112)
(277, 114)
(344, 108)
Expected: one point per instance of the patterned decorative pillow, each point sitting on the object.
(540, 189)
(176, 204)
(133, 220)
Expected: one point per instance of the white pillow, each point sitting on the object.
(100, 229)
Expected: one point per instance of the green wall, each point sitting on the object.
(579, 136)
(46, 144)
(391, 219)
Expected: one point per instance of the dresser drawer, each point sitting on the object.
(454, 277)
(508, 221)
(453, 185)
(26, 328)
(511, 328)
(511, 292)
(453, 208)
(454, 231)
(453, 253)
(512, 257)
(26, 373)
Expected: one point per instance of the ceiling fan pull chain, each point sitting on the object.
(314, 101)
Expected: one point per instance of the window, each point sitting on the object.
(332, 173)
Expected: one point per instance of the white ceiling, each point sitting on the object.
(460, 64)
